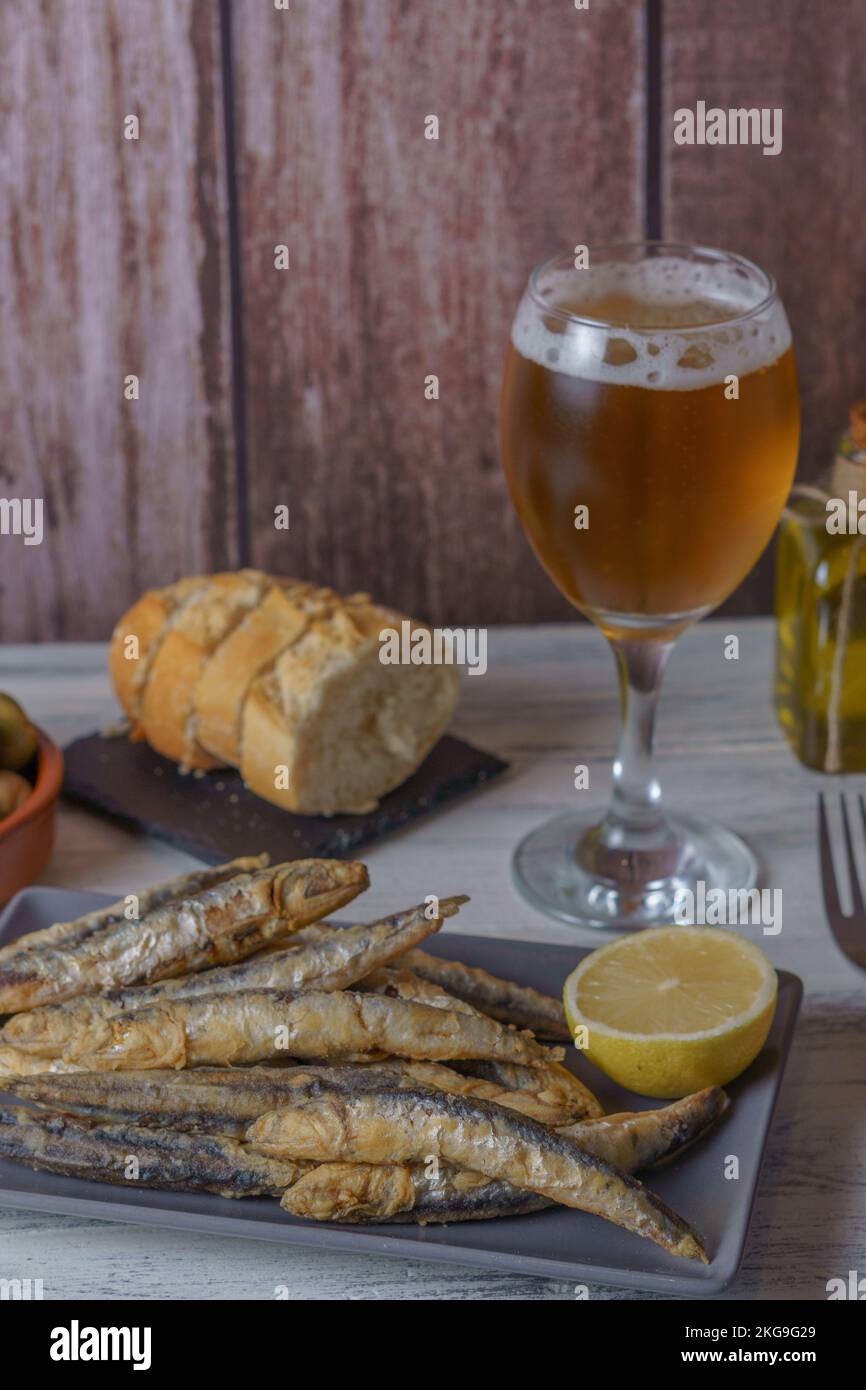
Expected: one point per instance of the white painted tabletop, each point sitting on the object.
(546, 703)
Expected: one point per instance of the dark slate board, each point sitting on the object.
(216, 818)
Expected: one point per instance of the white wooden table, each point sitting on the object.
(546, 703)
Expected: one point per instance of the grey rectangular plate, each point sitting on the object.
(562, 1244)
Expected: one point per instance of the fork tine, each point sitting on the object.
(856, 895)
(828, 874)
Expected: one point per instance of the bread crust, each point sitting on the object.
(168, 716)
(247, 652)
(146, 621)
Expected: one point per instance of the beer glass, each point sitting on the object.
(650, 425)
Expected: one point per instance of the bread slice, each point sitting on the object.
(251, 649)
(345, 728)
(167, 716)
(147, 621)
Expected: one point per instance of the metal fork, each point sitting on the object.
(849, 929)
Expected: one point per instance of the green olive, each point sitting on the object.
(13, 791)
(18, 737)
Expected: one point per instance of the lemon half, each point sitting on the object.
(668, 1011)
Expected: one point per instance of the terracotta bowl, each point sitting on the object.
(27, 835)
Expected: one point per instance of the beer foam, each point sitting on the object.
(673, 356)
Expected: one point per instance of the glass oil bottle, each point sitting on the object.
(821, 612)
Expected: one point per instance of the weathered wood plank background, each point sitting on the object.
(112, 262)
(305, 128)
(800, 213)
(408, 256)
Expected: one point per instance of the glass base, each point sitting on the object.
(548, 874)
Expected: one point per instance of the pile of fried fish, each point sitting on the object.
(214, 1034)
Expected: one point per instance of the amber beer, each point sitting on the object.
(680, 445)
(650, 425)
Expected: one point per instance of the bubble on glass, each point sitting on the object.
(696, 357)
(619, 352)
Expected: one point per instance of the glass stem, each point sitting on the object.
(635, 811)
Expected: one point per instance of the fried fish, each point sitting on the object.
(14, 1063)
(389, 1192)
(127, 1154)
(500, 999)
(634, 1140)
(223, 923)
(263, 1025)
(330, 958)
(412, 1125)
(546, 1080)
(552, 1083)
(173, 890)
(225, 1100)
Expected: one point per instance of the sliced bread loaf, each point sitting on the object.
(283, 680)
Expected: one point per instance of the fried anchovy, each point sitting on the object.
(629, 1142)
(174, 890)
(221, 924)
(635, 1140)
(548, 1081)
(548, 1109)
(553, 1083)
(219, 1100)
(400, 983)
(419, 1192)
(14, 1063)
(226, 1102)
(208, 1100)
(459, 1195)
(443, 1078)
(500, 999)
(330, 959)
(126, 1154)
(414, 1124)
(258, 1025)
(390, 1192)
